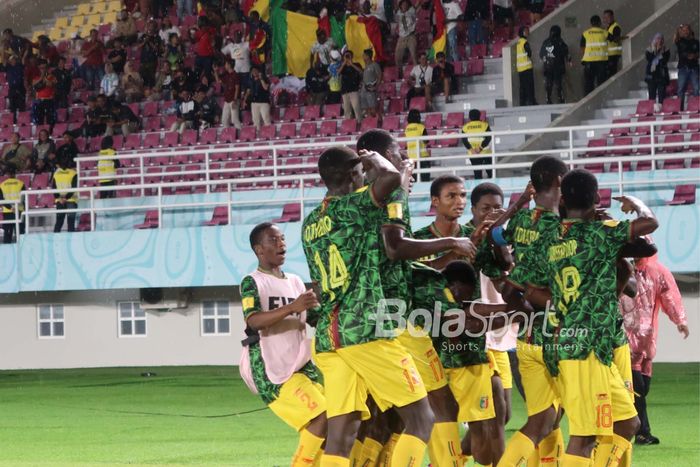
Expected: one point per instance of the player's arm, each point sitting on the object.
(254, 315)
(400, 247)
(387, 177)
(626, 283)
(503, 256)
(671, 302)
(646, 221)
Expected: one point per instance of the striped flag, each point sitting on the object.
(362, 33)
(261, 6)
(293, 35)
(440, 36)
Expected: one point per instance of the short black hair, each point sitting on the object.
(256, 233)
(460, 271)
(579, 189)
(609, 12)
(375, 140)
(107, 143)
(63, 161)
(334, 163)
(595, 20)
(475, 114)
(440, 55)
(413, 116)
(369, 53)
(438, 184)
(483, 189)
(545, 170)
(10, 169)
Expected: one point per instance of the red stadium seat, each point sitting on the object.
(621, 131)
(133, 141)
(291, 212)
(369, 123)
(331, 111)
(267, 132)
(643, 130)
(605, 195)
(247, 133)
(644, 108)
(477, 51)
(692, 105)
(597, 143)
(291, 114)
(189, 137)
(220, 216)
(151, 140)
(454, 120)
(671, 127)
(683, 194)
(228, 135)
(307, 130)
(622, 141)
(312, 112)
(475, 67)
(395, 106)
(671, 105)
(418, 103)
(150, 109)
(391, 73)
(328, 128)
(288, 130)
(672, 139)
(208, 136)
(348, 127)
(391, 123)
(170, 139)
(150, 221)
(433, 121)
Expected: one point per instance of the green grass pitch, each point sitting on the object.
(206, 416)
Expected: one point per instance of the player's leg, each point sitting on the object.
(374, 434)
(498, 439)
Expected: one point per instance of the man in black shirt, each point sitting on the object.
(258, 95)
(317, 83)
(209, 111)
(69, 150)
(554, 54)
(122, 121)
(151, 46)
(350, 81)
(688, 49)
(117, 57)
(443, 77)
(64, 82)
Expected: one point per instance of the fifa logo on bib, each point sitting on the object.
(484, 403)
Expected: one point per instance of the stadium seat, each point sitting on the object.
(219, 216)
(228, 135)
(150, 221)
(369, 123)
(291, 212)
(418, 103)
(347, 127)
(475, 67)
(670, 139)
(170, 139)
(391, 123)
(288, 131)
(151, 140)
(247, 133)
(477, 51)
(683, 194)
(642, 141)
(692, 127)
(7, 120)
(497, 49)
(312, 112)
(390, 74)
(331, 111)
(395, 106)
(620, 131)
(670, 106)
(291, 114)
(133, 141)
(605, 195)
(150, 109)
(433, 121)
(622, 141)
(597, 143)
(643, 130)
(189, 137)
(692, 105)
(644, 107)
(454, 120)
(671, 127)
(208, 136)
(328, 128)
(307, 130)
(84, 222)
(40, 181)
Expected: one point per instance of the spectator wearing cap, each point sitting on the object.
(124, 29)
(208, 112)
(259, 97)
(421, 80)
(186, 111)
(406, 20)
(231, 87)
(317, 84)
(371, 80)
(443, 77)
(350, 82)
(93, 67)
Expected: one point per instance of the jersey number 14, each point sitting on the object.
(337, 273)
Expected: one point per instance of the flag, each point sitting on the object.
(261, 6)
(362, 33)
(293, 35)
(338, 31)
(440, 36)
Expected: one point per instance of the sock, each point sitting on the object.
(611, 450)
(308, 447)
(334, 461)
(355, 453)
(388, 451)
(570, 460)
(371, 450)
(319, 456)
(444, 446)
(518, 451)
(551, 448)
(534, 459)
(408, 452)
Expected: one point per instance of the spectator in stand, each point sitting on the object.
(11, 190)
(554, 54)
(68, 150)
(334, 82)
(453, 12)
(258, 32)
(477, 146)
(477, 13)
(64, 82)
(239, 51)
(317, 84)
(656, 74)
(166, 29)
(183, 78)
(110, 82)
(162, 91)
(117, 56)
(443, 79)
(16, 154)
(536, 8)
(132, 83)
(184, 8)
(186, 113)
(259, 97)
(151, 48)
(17, 93)
(523, 64)
(614, 42)
(231, 87)
(123, 121)
(203, 47)
(31, 72)
(594, 49)
(232, 11)
(124, 29)
(321, 50)
(75, 55)
(44, 153)
(688, 61)
(44, 106)
(160, 8)
(350, 81)
(93, 125)
(420, 79)
(47, 51)
(406, 20)
(16, 45)
(66, 180)
(107, 166)
(174, 52)
(503, 14)
(208, 111)
(371, 80)
(93, 67)
(417, 151)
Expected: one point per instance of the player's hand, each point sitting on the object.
(602, 215)
(465, 247)
(305, 301)
(683, 329)
(476, 150)
(628, 205)
(527, 195)
(478, 235)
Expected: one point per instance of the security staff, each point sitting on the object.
(594, 47)
(417, 149)
(477, 146)
(11, 190)
(107, 167)
(65, 179)
(523, 64)
(614, 42)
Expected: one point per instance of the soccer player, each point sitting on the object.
(581, 272)
(276, 360)
(354, 349)
(397, 249)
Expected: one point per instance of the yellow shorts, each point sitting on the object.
(382, 368)
(471, 386)
(593, 395)
(623, 361)
(300, 400)
(426, 359)
(538, 384)
(501, 364)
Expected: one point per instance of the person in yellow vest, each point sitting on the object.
(66, 180)
(523, 64)
(417, 150)
(107, 167)
(477, 146)
(594, 48)
(614, 42)
(11, 190)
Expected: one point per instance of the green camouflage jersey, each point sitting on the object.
(429, 290)
(582, 275)
(268, 390)
(342, 244)
(528, 230)
(396, 275)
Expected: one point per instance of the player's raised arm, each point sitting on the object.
(259, 320)
(399, 247)
(385, 177)
(645, 223)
